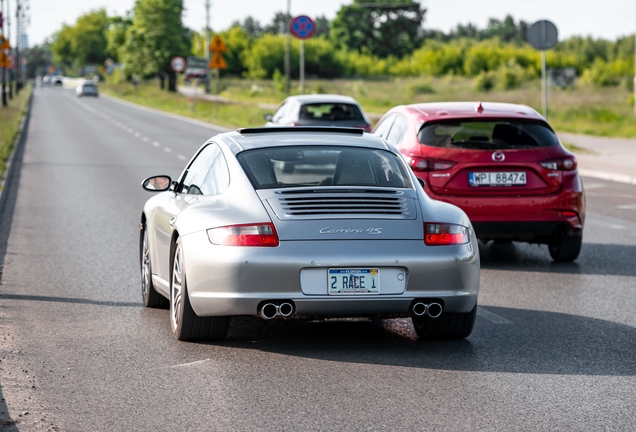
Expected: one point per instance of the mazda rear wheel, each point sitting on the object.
(565, 249)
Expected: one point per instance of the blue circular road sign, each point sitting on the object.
(302, 27)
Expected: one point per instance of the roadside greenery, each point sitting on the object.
(586, 109)
(10, 118)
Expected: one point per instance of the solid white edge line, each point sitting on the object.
(620, 178)
(219, 129)
(494, 318)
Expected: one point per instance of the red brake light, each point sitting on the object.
(425, 164)
(563, 164)
(244, 235)
(443, 234)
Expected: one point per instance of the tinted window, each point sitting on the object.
(329, 112)
(487, 135)
(323, 166)
(397, 130)
(208, 173)
(383, 128)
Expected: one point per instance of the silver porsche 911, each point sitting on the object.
(349, 233)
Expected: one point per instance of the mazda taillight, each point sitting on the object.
(426, 164)
(443, 234)
(562, 164)
(244, 235)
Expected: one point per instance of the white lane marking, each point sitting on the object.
(626, 207)
(216, 128)
(145, 139)
(611, 225)
(593, 186)
(182, 157)
(621, 178)
(156, 144)
(137, 134)
(494, 318)
(167, 150)
(194, 363)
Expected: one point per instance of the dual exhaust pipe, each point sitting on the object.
(272, 310)
(433, 310)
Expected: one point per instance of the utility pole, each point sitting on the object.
(18, 86)
(207, 44)
(287, 47)
(10, 77)
(4, 84)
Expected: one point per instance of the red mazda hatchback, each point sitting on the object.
(501, 163)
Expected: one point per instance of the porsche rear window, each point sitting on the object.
(329, 112)
(487, 135)
(299, 166)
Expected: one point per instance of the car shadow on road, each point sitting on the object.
(534, 342)
(595, 258)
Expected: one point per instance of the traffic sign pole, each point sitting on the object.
(302, 66)
(302, 27)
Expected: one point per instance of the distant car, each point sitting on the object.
(57, 81)
(46, 81)
(501, 163)
(351, 235)
(319, 110)
(87, 88)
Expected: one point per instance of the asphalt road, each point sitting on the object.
(553, 347)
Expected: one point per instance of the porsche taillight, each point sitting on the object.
(263, 234)
(426, 164)
(443, 234)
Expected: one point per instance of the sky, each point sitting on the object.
(608, 19)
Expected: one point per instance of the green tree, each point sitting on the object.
(390, 28)
(39, 58)
(156, 36)
(116, 36)
(83, 43)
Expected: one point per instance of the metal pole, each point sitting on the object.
(17, 48)
(544, 86)
(287, 48)
(302, 66)
(10, 77)
(4, 88)
(207, 43)
(635, 73)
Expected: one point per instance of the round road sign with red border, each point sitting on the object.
(178, 64)
(12, 62)
(302, 27)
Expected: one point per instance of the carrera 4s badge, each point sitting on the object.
(370, 231)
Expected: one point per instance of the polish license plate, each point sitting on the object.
(354, 281)
(497, 178)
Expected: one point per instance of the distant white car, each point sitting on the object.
(87, 88)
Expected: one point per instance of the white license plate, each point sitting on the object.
(496, 178)
(354, 281)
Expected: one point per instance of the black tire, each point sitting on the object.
(448, 325)
(185, 323)
(149, 295)
(566, 249)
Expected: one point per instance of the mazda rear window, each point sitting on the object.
(330, 112)
(487, 135)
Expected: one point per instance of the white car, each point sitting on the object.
(87, 88)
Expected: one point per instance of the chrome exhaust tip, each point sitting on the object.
(285, 309)
(419, 308)
(434, 310)
(269, 311)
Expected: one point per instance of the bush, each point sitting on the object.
(601, 74)
(510, 75)
(420, 87)
(485, 81)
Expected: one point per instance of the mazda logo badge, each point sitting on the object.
(498, 156)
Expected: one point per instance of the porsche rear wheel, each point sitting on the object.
(185, 323)
(448, 325)
(150, 297)
(566, 249)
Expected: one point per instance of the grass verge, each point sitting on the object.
(600, 111)
(10, 118)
